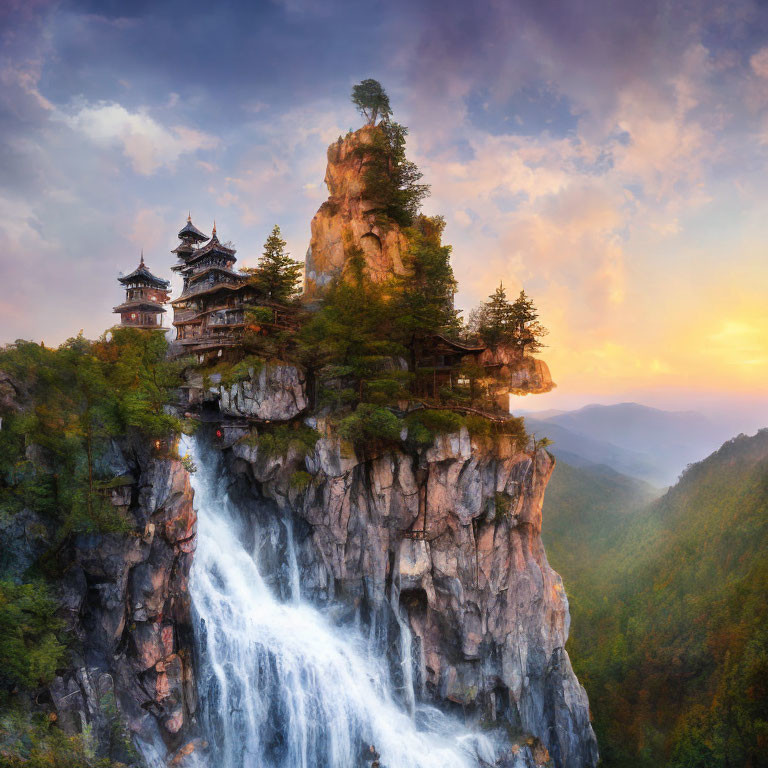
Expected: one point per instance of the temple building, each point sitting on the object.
(209, 315)
(145, 295)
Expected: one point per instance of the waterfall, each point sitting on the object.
(281, 686)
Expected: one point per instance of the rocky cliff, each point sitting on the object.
(348, 217)
(126, 603)
(447, 538)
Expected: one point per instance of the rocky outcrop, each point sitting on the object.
(348, 217)
(125, 599)
(451, 536)
(276, 392)
(516, 374)
(272, 391)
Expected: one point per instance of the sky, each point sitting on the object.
(608, 157)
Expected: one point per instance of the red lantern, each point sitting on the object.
(218, 433)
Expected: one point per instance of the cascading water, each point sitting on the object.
(280, 685)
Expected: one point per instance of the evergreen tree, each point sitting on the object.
(278, 275)
(496, 318)
(391, 179)
(526, 328)
(371, 100)
(349, 344)
(422, 303)
(497, 322)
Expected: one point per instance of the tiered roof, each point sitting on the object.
(142, 275)
(139, 305)
(219, 258)
(190, 232)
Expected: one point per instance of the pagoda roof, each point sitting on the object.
(213, 246)
(139, 306)
(185, 247)
(216, 268)
(189, 230)
(206, 291)
(457, 345)
(141, 273)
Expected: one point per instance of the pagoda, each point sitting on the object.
(145, 295)
(209, 314)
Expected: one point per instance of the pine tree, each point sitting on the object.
(497, 321)
(278, 275)
(422, 301)
(496, 318)
(526, 328)
(348, 343)
(371, 100)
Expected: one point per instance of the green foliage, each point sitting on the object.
(260, 315)
(189, 464)
(34, 741)
(78, 398)
(30, 649)
(277, 276)
(370, 424)
(516, 324)
(669, 613)
(371, 100)
(513, 429)
(232, 373)
(348, 342)
(354, 340)
(391, 180)
(300, 481)
(422, 301)
(478, 426)
(425, 425)
(278, 439)
(502, 504)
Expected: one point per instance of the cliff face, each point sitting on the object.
(347, 217)
(126, 602)
(448, 540)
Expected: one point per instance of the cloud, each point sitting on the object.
(759, 62)
(146, 143)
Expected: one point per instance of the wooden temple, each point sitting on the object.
(145, 295)
(210, 314)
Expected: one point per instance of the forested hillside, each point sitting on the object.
(669, 612)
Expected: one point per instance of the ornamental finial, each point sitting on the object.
(189, 217)
(141, 263)
(214, 228)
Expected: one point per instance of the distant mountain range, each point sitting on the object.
(645, 443)
(669, 628)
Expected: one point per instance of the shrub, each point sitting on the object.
(233, 373)
(275, 440)
(385, 390)
(261, 315)
(29, 647)
(300, 481)
(188, 464)
(502, 505)
(370, 423)
(425, 425)
(34, 741)
(514, 428)
(478, 426)
(441, 422)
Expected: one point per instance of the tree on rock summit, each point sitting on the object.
(371, 100)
